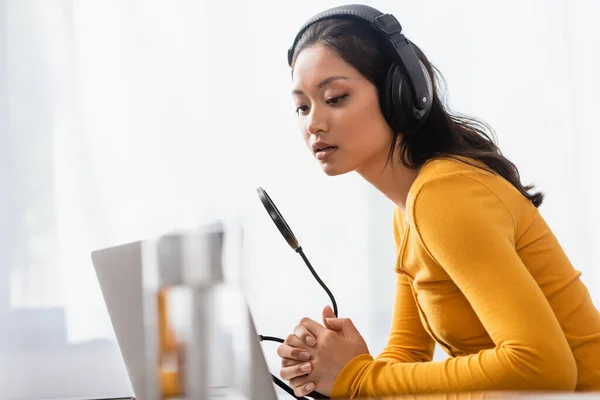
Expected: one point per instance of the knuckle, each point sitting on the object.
(289, 338)
(299, 384)
(283, 373)
(286, 362)
(299, 330)
(328, 336)
(281, 351)
(296, 353)
(293, 360)
(304, 320)
(296, 382)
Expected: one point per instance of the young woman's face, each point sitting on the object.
(338, 113)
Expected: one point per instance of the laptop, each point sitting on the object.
(119, 272)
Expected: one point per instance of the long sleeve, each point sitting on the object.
(408, 340)
(469, 232)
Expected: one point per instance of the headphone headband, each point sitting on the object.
(388, 26)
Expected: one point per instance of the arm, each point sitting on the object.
(469, 232)
(408, 341)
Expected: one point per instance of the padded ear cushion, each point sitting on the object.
(397, 102)
(422, 114)
(392, 111)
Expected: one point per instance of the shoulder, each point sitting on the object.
(459, 180)
(454, 191)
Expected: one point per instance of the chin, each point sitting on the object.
(333, 170)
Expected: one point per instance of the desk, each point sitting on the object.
(467, 396)
(93, 398)
(495, 396)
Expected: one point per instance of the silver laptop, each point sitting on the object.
(119, 272)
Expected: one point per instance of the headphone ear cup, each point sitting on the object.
(398, 105)
(422, 114)
(392, 110)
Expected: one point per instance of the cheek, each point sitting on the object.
(303, 131)
(361, 124)
(368, 132)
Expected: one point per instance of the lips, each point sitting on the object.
(326, 148)
(325, 153)
(322, 146)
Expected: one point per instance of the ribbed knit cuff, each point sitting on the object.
(342, 387)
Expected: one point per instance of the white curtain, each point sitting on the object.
(124, 119)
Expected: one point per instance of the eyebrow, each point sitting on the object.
(323, 83)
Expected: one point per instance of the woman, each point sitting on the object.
(478, 270)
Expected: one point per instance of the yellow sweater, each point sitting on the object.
(480, 273)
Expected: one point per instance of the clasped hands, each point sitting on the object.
(314, 355)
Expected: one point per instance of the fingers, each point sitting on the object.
(343, 325)
(313, 327)
(293, 341)
(302, 333)
(327, 313)
(295, 371)
(302, 386)
(287, 351)
(288, 362)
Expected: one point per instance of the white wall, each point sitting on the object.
(124, 119)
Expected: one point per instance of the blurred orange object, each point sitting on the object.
(170, 358)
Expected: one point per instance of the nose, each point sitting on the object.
(316, 122)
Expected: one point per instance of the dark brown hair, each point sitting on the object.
(445, 133)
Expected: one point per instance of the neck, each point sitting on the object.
(394, 180)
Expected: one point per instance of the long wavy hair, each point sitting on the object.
(444, 133)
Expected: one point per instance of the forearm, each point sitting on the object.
(404, 355)
(494, 369)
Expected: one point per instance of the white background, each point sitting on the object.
(124, 119)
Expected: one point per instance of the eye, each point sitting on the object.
(301, 109)
(337, 100)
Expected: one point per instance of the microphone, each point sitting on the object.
(290, 238)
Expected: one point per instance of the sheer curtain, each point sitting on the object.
(124, 119)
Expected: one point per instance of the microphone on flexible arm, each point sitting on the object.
(289, 236)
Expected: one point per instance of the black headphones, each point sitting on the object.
(405, 109)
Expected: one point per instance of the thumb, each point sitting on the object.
(327, 313)
(345, 327)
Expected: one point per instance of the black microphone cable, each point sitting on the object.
(288, 235)
(278, 381)
(316, 276)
